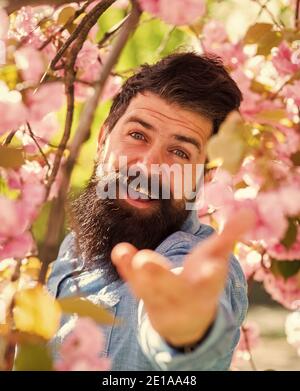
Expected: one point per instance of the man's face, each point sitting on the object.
(152, 133)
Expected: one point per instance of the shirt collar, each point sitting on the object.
(192, 223)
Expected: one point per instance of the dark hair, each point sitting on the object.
(199, 83)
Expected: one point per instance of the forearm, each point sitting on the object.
(213, 353)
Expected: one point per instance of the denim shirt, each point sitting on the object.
(135, 345)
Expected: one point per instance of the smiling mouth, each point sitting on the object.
(136, 196)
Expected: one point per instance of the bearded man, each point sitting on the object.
(146, 257)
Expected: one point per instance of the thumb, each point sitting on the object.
(121, 256)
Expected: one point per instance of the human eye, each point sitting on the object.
(137, 135)
(181, 154)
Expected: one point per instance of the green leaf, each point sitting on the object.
(291, 35)
(256, 32)
(273, 115)
(9, 74)
(268, 42)
(33, 357)
(230, 144)
(83, 307)
(286, 269)
(65, 15)
(263, 35)
(230, 149)
(290, 235)
(11, 157)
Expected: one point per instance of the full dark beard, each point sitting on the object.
(100, 224)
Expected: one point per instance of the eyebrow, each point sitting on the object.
(178, 137)
(141, 122)
(189, 140)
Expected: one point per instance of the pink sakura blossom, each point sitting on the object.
(179, 12)
(288, 198)
(82, 347)
(215, 40)
(151, 6)
(252, 103)
(290, 145)
(12, 110)
(250, 174)
(271, 223)
(292, 91)
(249, 259)
(46, 99)
(4, 24)
(26, 26)
(17, 215)
(33, 189)
(88, 55)
(25, 22)
(13, 220)
(43, 132)
(29, 180)
(284, 291)
(283, 60)
(31, 64)
(111, 88)
(218, 193)
(280, 252)
(213, 33)
(17, 246)
(232, 54)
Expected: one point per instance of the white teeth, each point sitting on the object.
(140, 190)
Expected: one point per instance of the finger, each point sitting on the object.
(220, 245)
(147, 273)
(121, 256)
(150, 260)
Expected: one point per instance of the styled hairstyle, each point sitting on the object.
(199, 83)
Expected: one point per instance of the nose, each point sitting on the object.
(154, 155)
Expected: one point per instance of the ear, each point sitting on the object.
(101, 138)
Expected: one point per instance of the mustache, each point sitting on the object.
(137, 186)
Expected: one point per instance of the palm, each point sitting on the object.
(169, 297)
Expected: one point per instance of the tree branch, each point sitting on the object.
(297, 14)
(56, 218)
(81, 34)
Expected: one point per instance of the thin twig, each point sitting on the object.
(56, 217)
(82, 29)
(165, 41)
(252, 363)
(38, 145)
(112, 32)
(9, 138)
(70, 75)
(265, 8)
(66, 25)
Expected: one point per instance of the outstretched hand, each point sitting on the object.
(181, 307)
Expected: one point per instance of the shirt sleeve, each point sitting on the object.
(216, 349)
